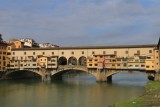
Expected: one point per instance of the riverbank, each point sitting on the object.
(150, 99)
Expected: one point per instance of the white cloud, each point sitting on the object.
(79, 21)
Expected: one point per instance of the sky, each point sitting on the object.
(81, 22)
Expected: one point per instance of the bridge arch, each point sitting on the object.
(62, 61)
(82, 61)
(72, 61)
(59, 75)
(22, 74)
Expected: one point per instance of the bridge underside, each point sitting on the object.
(23, 74)
(59, 75)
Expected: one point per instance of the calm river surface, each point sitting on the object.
(74, 91)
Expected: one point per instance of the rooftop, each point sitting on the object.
(90, 47)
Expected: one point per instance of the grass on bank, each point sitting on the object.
(151, 87)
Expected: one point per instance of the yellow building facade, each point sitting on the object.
(117, 57)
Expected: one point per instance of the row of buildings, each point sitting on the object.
(13, 55)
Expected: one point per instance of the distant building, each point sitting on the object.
(47, 45)
(3, 54)
(29, 43)
(15, 43)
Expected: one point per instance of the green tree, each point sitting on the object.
(1, 38)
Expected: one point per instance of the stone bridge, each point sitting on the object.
(47, 74)
(101, 75)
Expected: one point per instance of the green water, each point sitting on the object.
(74, 91)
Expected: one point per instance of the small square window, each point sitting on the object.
(25, 53)
(72, 53)
(115, 52)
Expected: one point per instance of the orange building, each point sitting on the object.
(15, 43)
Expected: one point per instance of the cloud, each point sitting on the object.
(83, 22)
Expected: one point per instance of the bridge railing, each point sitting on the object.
(64, 67)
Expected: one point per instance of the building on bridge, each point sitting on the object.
(129, 57)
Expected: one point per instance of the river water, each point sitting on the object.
(78, 90)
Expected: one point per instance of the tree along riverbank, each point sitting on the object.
(150, 99)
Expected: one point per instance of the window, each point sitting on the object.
(118, 59)
(126, 52)
(34, 64)
(9, 48)
(25, 53)
(62, 53)
(8, 53)
(13, 53)
(4, 53)
(104, 52)
(82, 52)
(52, 53)
(124, 64)
(43, 53)
(93, 52)
(96, 64)
(150, 51)
(113, 64)
(136, 65)
(147, 67)
(53, 60)
(136, 60)
(138, 51)
(4, 58)
(90, 64)
(115, 52)
(142, 65)
(34, 53)
(118, 64)
(72, 53)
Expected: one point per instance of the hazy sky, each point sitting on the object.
(81, 22)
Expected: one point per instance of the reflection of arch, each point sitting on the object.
(82, 61)
(62, 61)
(72, 60)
